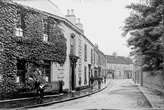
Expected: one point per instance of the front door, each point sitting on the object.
(73, 78)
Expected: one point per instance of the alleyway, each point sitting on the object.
(121, 93)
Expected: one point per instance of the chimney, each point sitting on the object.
(68, 12)
(115, 54)
(71, 16)
(72, 11)
(96, 46)
(79, 25)
(78, 20)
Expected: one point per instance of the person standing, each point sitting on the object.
(92, 81)
(99, 82)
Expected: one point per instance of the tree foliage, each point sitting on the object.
(145, 25)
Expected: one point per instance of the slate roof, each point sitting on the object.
(111, 59)
(43, 5)
(118, 59)
(129, 60)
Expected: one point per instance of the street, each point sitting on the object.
(121, 93)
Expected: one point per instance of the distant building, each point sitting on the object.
(101, 64)
(119, 66)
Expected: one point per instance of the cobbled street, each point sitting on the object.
(121, 93)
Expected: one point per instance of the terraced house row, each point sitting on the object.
(38, 41)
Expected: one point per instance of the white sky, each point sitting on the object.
(101, 20)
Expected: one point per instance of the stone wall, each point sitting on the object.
(153, 80)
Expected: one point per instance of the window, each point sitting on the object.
(46, 69)
(20, 71)
(19, 32)
(45, 35)
(85, 75)
(85, 54)
(92, 56)
(19, 25)
(72, 45)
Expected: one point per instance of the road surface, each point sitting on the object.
(121, 93)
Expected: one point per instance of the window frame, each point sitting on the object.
(85, 52)
(72, 44)
(19, 25)
(21, 71)
(85, 75)
(47, 68)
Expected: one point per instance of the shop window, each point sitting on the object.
(20, 71)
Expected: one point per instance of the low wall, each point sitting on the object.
(153, 80)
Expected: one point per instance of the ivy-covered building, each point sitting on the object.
(31, 43)
(39, 42)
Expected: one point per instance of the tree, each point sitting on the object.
(145, 25)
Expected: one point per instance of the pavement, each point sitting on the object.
(33, 102)
(155, 97)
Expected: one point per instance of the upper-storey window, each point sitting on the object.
(19, 24)
(85, 50)
(45, 35)
(72, 45)
(92, 56)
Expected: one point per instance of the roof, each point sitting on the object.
(111, 59)
(43, 5)
(121, 60)
(49, 7)
(118, 59)
(129, 60)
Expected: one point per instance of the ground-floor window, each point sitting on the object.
(20, 71)
(85, 75)
(47, 71)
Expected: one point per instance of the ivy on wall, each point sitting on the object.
(31, 47)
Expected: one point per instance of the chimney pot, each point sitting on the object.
(68, 12)
(72, 11)
(78, 20)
